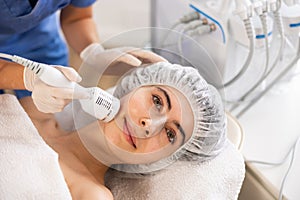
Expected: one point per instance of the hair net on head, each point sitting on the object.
(209, 132)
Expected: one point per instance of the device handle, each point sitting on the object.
(54, 77)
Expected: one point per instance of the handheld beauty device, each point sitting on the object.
(100, 104)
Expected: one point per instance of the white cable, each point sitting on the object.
(47, 74)
(277, 78)
(6, 56)
(292, 149)
(168, 32)
(183, 20)
(289, 169)
(244, 10)
(279, 24)
(275, 163)
(263, 18)
(282, 40)
(190, 26)
(189, 17)
(203, 29)
(250, 33)
(179, 46)
(278, 21)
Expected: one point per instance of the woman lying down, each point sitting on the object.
(168, 113)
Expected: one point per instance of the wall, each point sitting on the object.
(114, 17)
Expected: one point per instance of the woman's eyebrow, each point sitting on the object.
(166, 96)
(179, 127)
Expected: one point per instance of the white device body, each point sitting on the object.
(100, 104)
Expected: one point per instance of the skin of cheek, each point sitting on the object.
(150, 144)
(155, 143)
(138, 106)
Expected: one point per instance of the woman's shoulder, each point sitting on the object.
(82, 184)
(95, 192)
(90, 190)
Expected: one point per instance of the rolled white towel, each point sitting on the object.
(217, 179)
(29, 168)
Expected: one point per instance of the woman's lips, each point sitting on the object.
(128, 136)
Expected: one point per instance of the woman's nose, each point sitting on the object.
(152, 126)
(145, 122)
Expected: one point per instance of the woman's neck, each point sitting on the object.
(68, 145)
(73, 143)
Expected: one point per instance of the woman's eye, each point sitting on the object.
(171, 135)
(157, 102)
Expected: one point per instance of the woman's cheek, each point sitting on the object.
(137, 106)
(153, 144)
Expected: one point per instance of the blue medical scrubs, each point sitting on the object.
(30, 28)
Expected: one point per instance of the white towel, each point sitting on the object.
(29, 168)
(218, 179)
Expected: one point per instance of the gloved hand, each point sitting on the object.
(50, 99)
(99, 58)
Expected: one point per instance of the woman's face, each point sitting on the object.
(151, 118)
